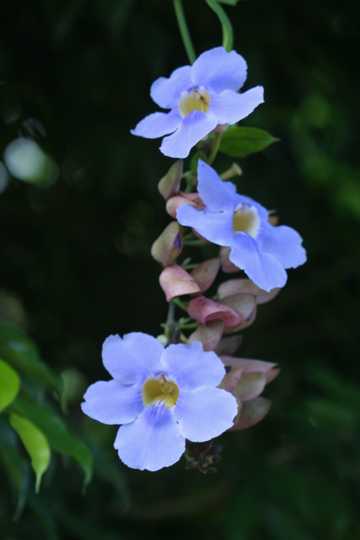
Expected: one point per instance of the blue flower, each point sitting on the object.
(160, 396)
(199, 97)
(228, 219)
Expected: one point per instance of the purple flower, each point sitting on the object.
(262, 250)
(199, 97)
(160, 396)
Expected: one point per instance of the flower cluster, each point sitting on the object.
(187, 384)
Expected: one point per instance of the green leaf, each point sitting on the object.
(17, 349)
(229, 2)
(9, 385)
(60, 439)
(17, 469)
(243, 141)
(35, 443)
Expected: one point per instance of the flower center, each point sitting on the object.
(161, 389)
(246, 219)
(195, 100)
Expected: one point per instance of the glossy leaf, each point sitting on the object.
(9, 385)
(35, 443)
(17, 349)
(243, 141)
(59, 437)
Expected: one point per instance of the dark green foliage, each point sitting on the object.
(77, 257)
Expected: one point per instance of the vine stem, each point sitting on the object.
(184, 30)
(227, 30)
(170, 325)
(215, 147)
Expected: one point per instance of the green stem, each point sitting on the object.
(194, 243)
(227, 30)
(184, 31)
(179, 303)
(171, 324)
(215, 147)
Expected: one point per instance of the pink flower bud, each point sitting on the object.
(175, 281)
(251, 413)
(228, 345)
(183, 198)
(244, 385)
(204, 310)
(209, 335)
(245, 286)
(245, 306)
(205, 273)
(247, 365)
(170, 183)
(168, 246)
(227, 266)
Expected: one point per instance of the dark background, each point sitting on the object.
(76, 256)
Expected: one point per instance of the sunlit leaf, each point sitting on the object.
(9, 385)
(242, 141)
(59, 437)
(35, 443)
(17, 349)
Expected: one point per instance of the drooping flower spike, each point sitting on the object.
(160, 397)
(262, 250)
(199, 97)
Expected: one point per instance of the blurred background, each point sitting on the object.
(75, 265)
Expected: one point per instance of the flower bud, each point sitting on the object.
(205, 273)
(175, 281)
(228, 345)
(183, 198)
(204, 310)
(244, 385)
(209, 335)
(227, 266)
(251, 413)
(245, 286)
(170, 183)
(245, 306)
(168, 246)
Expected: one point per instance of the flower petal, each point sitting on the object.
(165, 91)
(131, 358)
(214, 192)
(230, 107)
(152, 442)
(157, 125)
(213, 226)
(192, 367)
(219, 70)
(262, 268)
(285, 244)
(205, 413)
(111, 402)
(194, 127)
